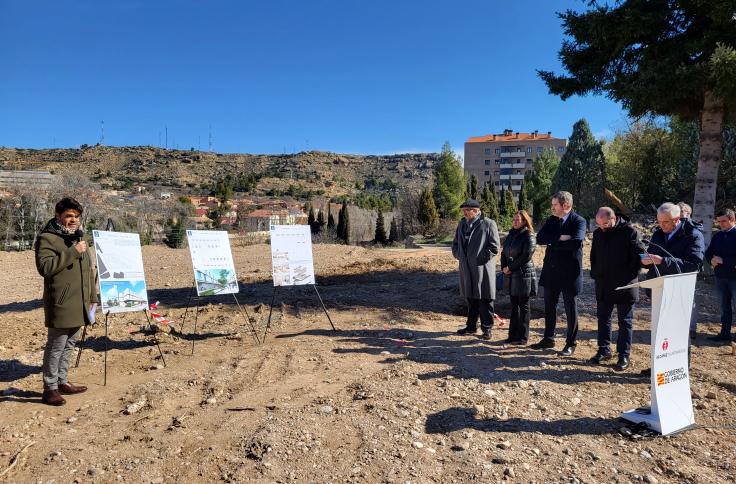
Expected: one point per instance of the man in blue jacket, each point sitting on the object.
(681, 239)
(562, 272)
(721, 254)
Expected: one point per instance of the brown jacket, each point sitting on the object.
(69, 279)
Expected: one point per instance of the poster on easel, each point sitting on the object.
(212, 262)
(122, 281)
(291, 255)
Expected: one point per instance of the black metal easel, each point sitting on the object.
(273, 298)
(242, 309)
(107, 315)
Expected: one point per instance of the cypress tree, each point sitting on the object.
(524, 199)
(473, 187)
(320, 223)
(330, 217)
(489, 202)
(428, 216)
(346, 223)
(311, 219)
(449, 184)
(380, 237)
(393, 235)
(509, 205)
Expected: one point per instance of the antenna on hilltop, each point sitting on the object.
(166, 128)
(102, 132)
(210, 143)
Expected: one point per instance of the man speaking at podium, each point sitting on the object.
(676, 247)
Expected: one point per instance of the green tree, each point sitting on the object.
(489, 202)
(343, 223)
(509, 209)
(449, 184)
(224, 189)
(320, 222)
(582, 170)
(380, 237)
(428, 216)
(393, 235)
(330, 217)
(538, 183)
(472, 188)
(660, 58)
(311, 219)
(524, 199)
(175, 233)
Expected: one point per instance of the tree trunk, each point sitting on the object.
(709, 157)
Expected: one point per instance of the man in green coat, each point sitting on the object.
(69, 295)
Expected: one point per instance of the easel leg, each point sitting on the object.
(189, 300)
(323, 307)
(244, 313)
(196, 316)
(106, 340)
(155, 337)
(270, 312)
(81, 345)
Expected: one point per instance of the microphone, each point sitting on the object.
(79, 235)
(646, 242)
(649, 242)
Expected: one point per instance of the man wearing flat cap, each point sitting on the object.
(475, 246)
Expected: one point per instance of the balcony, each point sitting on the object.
(512, 165)
(514, 154)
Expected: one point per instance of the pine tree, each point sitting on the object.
(449, 184)
(320, 223)
(472, 189)
(582, 170)
(380, 237)
(428, 216)
(341, 221)
(489, 202)
(509, 205)
(346, 223)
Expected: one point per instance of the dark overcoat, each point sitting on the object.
(518, 249)
(563, 260)
(615, 262)
(477, 260)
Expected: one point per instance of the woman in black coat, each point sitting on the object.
(520, 276)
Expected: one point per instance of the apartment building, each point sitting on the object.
(503, 159)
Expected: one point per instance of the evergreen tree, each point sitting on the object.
(524, 199)
(472, 189)
(344, 234)
(658, 58)
(341, 221)
(311, 219)
(330, 217)
(489, 202)
(449, 184)
(380, 237)
(582, 170)
(393, 235)
(428, 216)
(538, 183)
(175, 233)
(320, 222)
(509, 206)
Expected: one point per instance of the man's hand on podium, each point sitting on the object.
(651, 259)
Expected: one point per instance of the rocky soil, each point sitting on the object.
(392, 396)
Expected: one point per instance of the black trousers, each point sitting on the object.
(519, 325)
(625, 326)
(550, 315)
(483, 309)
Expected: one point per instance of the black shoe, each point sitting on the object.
(720, 338)
(622, 364)
(568, 350)
(544, 344)
(518, 342)
(600, 357)
(693, 335)
(467, 330)
(486, 335)
(647, 372)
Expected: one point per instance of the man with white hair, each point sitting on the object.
(682, 240)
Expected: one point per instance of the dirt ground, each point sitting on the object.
(392, 396)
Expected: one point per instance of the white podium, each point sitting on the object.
(672, 302)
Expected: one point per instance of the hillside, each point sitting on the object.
(124, 167)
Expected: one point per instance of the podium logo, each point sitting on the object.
(665, 344)
(671, 376)
(660, 379)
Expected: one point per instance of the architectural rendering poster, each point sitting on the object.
(120, 268)
(291, 254)
(212, 261)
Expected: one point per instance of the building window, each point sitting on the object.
(539, 149)
(561, 149)
(497, 172)
(498, 162)
(498, 151)
(498, 183)
(528, 160)
(518, 172)
(487, 173)
(488, 162)
(529, 149)
(487, 151)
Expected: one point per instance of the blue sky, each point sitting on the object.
(282, 76)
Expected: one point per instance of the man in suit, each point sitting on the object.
(721, 255)
(562, 272)
(475, 246)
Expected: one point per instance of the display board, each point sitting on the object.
(291, 255)
(212, 262)
(120, 270)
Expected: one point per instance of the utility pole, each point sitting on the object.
(166, 128)
(159, 138)
(210, 144)
(102, 132)
(199, 143)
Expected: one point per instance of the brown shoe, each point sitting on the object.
(69, 389)
(52, 397)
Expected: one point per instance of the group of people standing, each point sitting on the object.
(617, 256)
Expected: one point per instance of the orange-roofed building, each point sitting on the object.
(503, 159)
